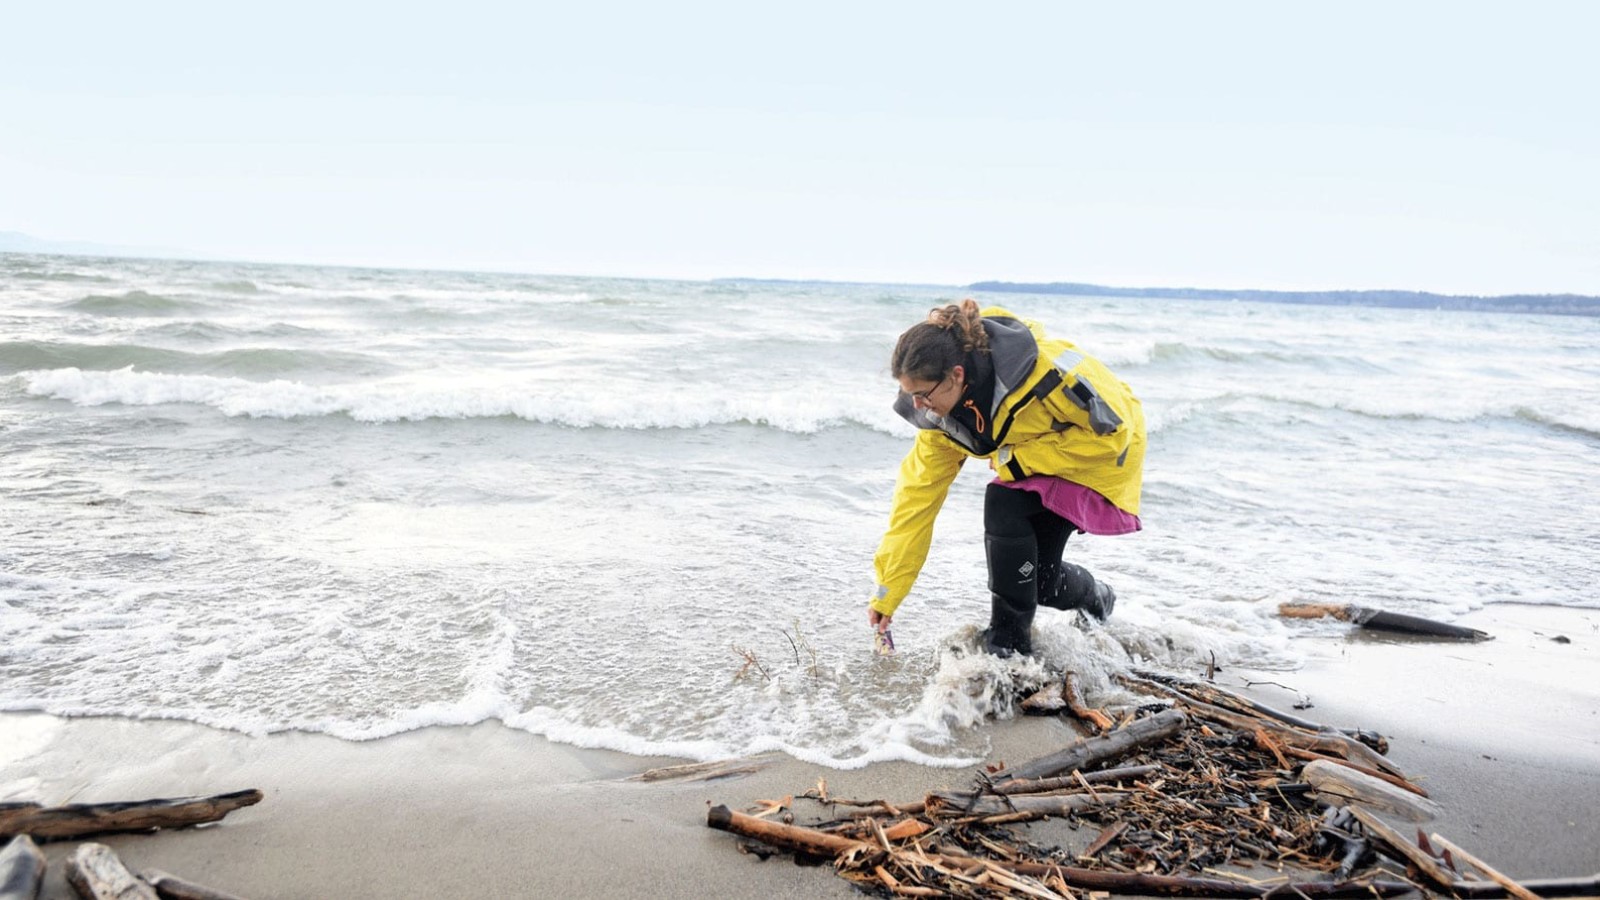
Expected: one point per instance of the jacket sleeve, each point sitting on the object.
(925, 477)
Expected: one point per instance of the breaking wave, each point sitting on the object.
(134, 303)
(617, 406)
(22, 356)
(404, 400)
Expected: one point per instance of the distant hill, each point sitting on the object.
(17, 242)
(1558, 304)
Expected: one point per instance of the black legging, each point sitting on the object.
(1015, 513)
(1022, 534)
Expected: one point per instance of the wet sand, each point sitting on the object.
(1504, 734)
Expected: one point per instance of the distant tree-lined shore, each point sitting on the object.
(1558, 304)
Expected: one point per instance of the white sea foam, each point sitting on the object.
(181, 544)
(576, 406)
(652, 407)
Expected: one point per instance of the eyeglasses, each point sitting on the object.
(924, 395)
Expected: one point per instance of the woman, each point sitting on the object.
(1064, 436)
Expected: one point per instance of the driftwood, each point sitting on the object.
(97, 874)
(1327, 740)
(1543, 887)
(818, 843)
(1213, 795)
(789, 837)
(1045, 701)
(1382, 620)
(1098, 720)
(1063, 694)
(1084, 753)
(21, 869)
(1398, 782)
(1347, 786)
(1220, 696)
(79, 819)
(1512, 888)
(1177, 885)
(1061, 782)
(171, 887)
(957, 804)
(1425, 864)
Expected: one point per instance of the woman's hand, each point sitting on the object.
(878, 619)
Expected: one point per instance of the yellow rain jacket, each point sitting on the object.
(1055, 411)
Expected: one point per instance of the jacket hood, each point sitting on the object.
(1012, 351)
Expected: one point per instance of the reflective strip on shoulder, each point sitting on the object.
(1068, 359)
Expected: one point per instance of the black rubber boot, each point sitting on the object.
(1105, 599)
(1013, 587)
(1075, 588)
(1072, 588)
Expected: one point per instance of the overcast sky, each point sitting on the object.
(1444, 146)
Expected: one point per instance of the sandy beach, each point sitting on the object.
(1504, 734)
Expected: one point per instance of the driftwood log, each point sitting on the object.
(788, 837)
(97, 874)
(1064, 782)
(1115, 745)
(1017, 807)
(1382, 620)
(80, 819)
(1343, 785)
(21, 869)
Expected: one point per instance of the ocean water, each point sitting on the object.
(641, 514)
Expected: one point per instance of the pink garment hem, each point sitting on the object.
(1084, 507)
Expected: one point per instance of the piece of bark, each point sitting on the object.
(1105, 837)
(1047, 700)
(21, 869)
(1512, 888)
(97, 874)
(956, 804)
(1425, 864)
(1084, 753)
(1350, 787)
(171, 887)
(79, 819)
(1098, 720)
